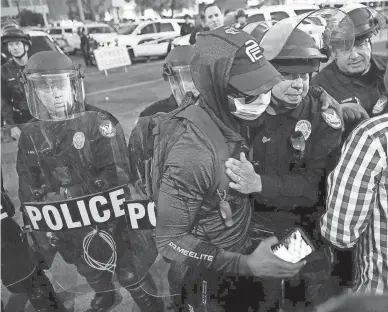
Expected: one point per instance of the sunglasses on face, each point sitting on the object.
(232, 91)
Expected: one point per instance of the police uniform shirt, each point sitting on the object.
(289, 177)
(12, 93)
(367, 89)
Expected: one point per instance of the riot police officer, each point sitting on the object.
(14, 104)
(176, 70)
(19, 272)
(68, 154)
(356, 77)
(290, 145)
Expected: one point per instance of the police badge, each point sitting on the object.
(303, 126)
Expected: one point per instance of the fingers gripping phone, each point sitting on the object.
(294, 247)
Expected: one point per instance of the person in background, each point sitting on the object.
(214, 16)
(14, 108)
(176, 70)
(356, 77)
(202, 27)
(241, 17)
(187, 27)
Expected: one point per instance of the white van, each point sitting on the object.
(278, 12)
(66, 37)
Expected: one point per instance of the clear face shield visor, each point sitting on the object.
(57, 96)
(180, 81)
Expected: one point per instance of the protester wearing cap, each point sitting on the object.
(14, 108)
(291, 144)
(204, 229)
(356, 77)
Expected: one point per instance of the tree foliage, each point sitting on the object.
(160, 5)
(93, 9)
(29, 18)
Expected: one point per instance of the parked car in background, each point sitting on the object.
(149, 38)
(67, 38)
(102, 33)
(278, 12)
(41, 41)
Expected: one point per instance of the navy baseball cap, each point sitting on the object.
(251, 73)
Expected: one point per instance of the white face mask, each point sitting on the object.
(254, 109)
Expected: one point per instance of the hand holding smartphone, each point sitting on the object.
(295, 247)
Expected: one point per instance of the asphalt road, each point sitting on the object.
(126, 94)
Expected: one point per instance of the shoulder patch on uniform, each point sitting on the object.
(107, 129)
(380, 105)
(331, 117)
(304, 126)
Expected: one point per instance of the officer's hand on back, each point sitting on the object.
(15, 133)
(353, 112)
(264, 263)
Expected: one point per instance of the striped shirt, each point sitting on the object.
(357, 204)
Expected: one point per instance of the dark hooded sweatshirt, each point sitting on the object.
(189, 172)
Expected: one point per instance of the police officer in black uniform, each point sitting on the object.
(19, 272)
(176, 70)
(356, 77)
(290, 145)
(14, 108)
(68, 154)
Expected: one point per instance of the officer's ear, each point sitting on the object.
(26, 47)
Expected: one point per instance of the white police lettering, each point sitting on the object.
(3, 215)
(253, 50)
(57, 217)
(137, 211)
(66, 213)
(83, 212)
(116, 202)
(93, 209)
(101, 208)
(231, 30)
(151, 213)
(190, 254)
(34, 215)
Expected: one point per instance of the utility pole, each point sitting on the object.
(81, 10)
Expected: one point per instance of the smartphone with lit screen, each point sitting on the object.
(294, 247)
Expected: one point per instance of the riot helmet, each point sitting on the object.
(367, 21)
(176, 70)
(14, 36)
(258, 29)
(54, 86)
(310, 37)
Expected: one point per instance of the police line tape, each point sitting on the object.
(90, 210)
